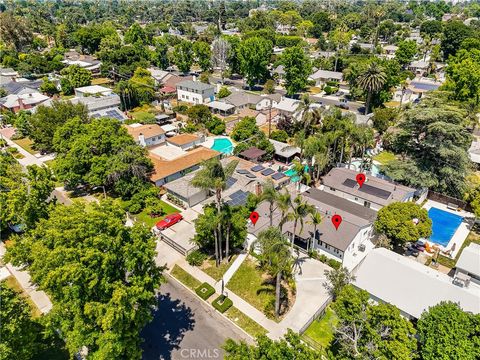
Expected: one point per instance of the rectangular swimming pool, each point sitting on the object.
(444, 225)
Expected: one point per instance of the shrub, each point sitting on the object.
(182, 109)
(196, 258)
(224, 92)
(205, 291)
(134, 207)
(269, 308)
(269, 86)
(12, 150)
(334, 264)
(332, 83)
(3, 142)
(279, 135)
(222, 303)
(154, 207)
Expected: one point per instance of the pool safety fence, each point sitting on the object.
(447, 200)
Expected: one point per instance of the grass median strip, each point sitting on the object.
(246, 323)
(185, 278)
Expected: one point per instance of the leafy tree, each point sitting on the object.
(199, 114)
(89, 37)
(383, 118)
(224, 92)
(269, 86)
(454, 32)
(100, 153)
(279, 135)
(160, 57)
(275, 257)
(21, 336)
(289, 348)
(142, 84)
(254, 55)
(371, 81)
(100, 275)
(337, 279)
(45, 121)
(431, 28)
(300, 209)
(48, 87)
(321, 23)
(297, 69)
(216, 125)
(432, 133)
(371, 331)
(403, 222)
(14, 30)
(135, 34)
(203, 55)
(183, 56)
(214, 176)
(463, 75)
(447, 332)
(73, 77)
(249, 134)
(406, 51)
(233, 59)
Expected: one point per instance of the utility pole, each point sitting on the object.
(270, 119)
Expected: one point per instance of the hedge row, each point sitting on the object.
(205, 291)
(222, 303)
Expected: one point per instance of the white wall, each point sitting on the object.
(195, 98)
(155, 140)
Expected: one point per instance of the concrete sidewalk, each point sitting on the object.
(28, 158)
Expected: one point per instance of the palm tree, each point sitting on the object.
(300, 209)
(371, 81)
(284, 202)
(275, 257)
(270, 195)
(213, 176)
(315, 220)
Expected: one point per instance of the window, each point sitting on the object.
(367, 204)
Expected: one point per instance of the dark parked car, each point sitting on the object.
(342, 106)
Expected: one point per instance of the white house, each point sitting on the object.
(195, 92)
(409, 285)
(375, 193)
(467, 267)
(243, 100)
(93, 90)
(146, 135)
(322, 76)
(348, 245)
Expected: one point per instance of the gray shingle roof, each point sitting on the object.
(194, 85)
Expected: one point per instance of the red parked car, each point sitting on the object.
(169, 220)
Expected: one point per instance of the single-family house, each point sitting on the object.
(93, 90)
(348, 244)
(409, 285)
(467, 267)
(158, 75)
(242, 100)
(24, 101)
(7, 75)
(88, 62)
(419, 67)
(185, 141)
(287, 107)
(102, 106)
(323, 76)
(390, 51)
(375, 193)
(146, 135)
(167, 170)
(195, 92)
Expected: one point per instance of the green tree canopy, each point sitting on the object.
(183, 56)
(447, 332)
(454, 32)
(203, 55)
(135, 34)
(463, 75)
(100, 153)
(406, 51)
(403, 222)
(254, 55)
(73, 77)
(297, 69)
(100, 275)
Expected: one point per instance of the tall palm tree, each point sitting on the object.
(315, 220)
(300, 210)
(275, 257)
(371, 81)
(213, 176)
(284, 202)
(270, 195)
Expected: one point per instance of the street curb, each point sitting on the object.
(168, 275)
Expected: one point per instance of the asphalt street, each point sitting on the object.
(184, 327)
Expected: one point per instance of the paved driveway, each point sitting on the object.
(184, 327)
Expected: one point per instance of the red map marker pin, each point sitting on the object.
(254, 217)
(336, 221)
(360, 179)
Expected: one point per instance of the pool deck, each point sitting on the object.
(463, 230)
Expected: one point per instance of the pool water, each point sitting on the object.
(444, 225)
(223, 145)
(292, 175)
(375, 170)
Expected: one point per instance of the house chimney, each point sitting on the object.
(258, 189)
(141, 140)
(194, 78)
(21, 105)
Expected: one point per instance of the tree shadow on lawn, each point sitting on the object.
(165, 332)
(268, 287)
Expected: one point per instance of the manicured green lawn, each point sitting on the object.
(384, 157)
(185, 278)
(26, 144)
(246, 323)
(209, 267)
(143, 116)
(145, 218)
(321, 331)
(248, 282)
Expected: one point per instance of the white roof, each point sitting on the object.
(168, 127)
(326, 74)
(469, 259)
(284, 149)
(287, 104)
(474, 152)
(94, 89)
(157, 73)
(220, 105)
(11, 101)
(410, 285)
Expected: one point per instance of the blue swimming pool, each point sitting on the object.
(223, 145)
(444, 225)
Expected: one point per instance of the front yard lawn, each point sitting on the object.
(185, 278)
(321, 331)
(384, 157)
(216, 273)
(249, 283)
(245, 322)
(26, 144)
(145, 218)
